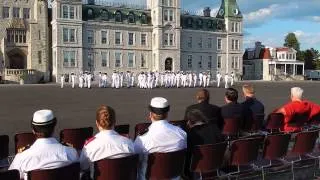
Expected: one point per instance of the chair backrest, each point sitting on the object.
(22, 140)
(10, 175)
(140, 129)
(165, 165)
(275, 121)
(71, 171)
(299, 120)
(75, 137)
(4, 146)
(231, 126)
(257, 123)
(117, 169)
(305, 142)
(207, 158)
(276, 146)
(123, 129)
(244, 151)
(182, 124)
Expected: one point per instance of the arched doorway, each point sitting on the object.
(168, 64)
(16, 59)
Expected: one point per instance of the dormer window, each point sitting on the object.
(210, 24)
(90, 13)
(118, 16)
(200, 23)
(144, 19)
(189, 22)
(104, 14)
(131, 17)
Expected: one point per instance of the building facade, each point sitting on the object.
(97, 36)
(24, 40)
(267, 63)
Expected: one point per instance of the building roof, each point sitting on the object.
(265, 54)
(283, 49)
(196, 22)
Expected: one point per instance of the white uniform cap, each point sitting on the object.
(159, 105)
(43, 117)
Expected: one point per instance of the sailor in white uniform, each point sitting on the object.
(62, 79)
(219, 76)
(226, 81)
(46, 152)
(232, 78)
(73, 80)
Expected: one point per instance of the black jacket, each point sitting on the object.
(236, 110)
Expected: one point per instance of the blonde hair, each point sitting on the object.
(106, 117)
(248, 89)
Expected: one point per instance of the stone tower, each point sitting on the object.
(230, 12)
(166, 34)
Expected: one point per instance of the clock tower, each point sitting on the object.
(230, 12)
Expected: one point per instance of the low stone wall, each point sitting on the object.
(30, 76)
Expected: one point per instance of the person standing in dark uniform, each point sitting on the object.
(210, 111)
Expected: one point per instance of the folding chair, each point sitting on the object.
(75, 137)
(275, 122)
(140, 129)
(123, 130)
(256, 124)
(207, 158)
(69, 172)
(23, 140)
(117, 169)
(165, 165)
(231, 128)
(182, 124)
(10, 175)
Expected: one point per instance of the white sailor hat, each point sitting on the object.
(43, 117)
(159, 105)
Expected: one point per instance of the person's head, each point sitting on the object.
(231, 95)
(296, 93)
(195, 117)
(248, 90)
(43, 123)
(105, 118)
(203, 96)
(159, 108)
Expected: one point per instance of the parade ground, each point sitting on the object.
(76, 107)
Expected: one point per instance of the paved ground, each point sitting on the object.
(76, 107)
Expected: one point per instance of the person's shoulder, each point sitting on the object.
(90, 140)
(214, 106)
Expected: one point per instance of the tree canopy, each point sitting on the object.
(292, 41)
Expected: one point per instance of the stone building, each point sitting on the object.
(24, 40)
(98, 36)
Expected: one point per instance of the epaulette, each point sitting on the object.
(89, 140)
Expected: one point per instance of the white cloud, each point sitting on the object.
(316, 18)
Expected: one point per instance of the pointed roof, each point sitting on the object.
(265, 54)
(229, 8)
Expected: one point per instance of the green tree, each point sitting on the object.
(292, 41)
(308, 59)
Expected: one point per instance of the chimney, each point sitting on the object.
(91, 2)
(207, 12)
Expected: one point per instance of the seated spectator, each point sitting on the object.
(161, 136)
(251, 104)
(46, 152)
(210, 111)
(107, 143)
(233, 109)
(200, 132)
(298, 111)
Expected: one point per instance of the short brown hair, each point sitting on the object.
(106, 117)
(248, 89)
(203, 95)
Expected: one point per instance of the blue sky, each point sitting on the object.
(269, 21)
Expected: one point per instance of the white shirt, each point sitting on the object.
(161, 137)
(105, 144)
(45, 153)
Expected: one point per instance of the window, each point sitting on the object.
(235, 62)
(209, 62)
(219, 62)
(232, 27)
(232, 44)
(165, 15)
(16, 12)
(131, 60)
(200, 62)
(170, 15)
(200, 43)
(71, 12)
(65, 35)
(90, 60)
(219, 44)
(235, 44)
(143, 61)
(290, 56)
(143, 39)
(65, 12)
(283, 56)
(131, 18)
(118, 16)
(26, 13)
(69, 59)
(69, 35)
(72, 37)
(294, 56)
(190, 61)
(144, 19)
(104, 14)
(238, 44)
(39, 57)
(5, 12)
(171, 40)
(117, 59)
(287, 57)
(90, 37)
(236, 27)
(103, 37)
(170, 3)
(130, 38)
(209, 42)
(118, 38)
(165, 39)
(190, 42)
(103, 59)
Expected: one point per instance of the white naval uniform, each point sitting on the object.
(161, 137)
(226, 79)
(73, 80)
(208, 79)
(81, 80)
(62, 81)
(45, 153)
(218, 79)
(204, 80)
(232, 79)
(105, 144)
(89, 76)
(195, 80)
